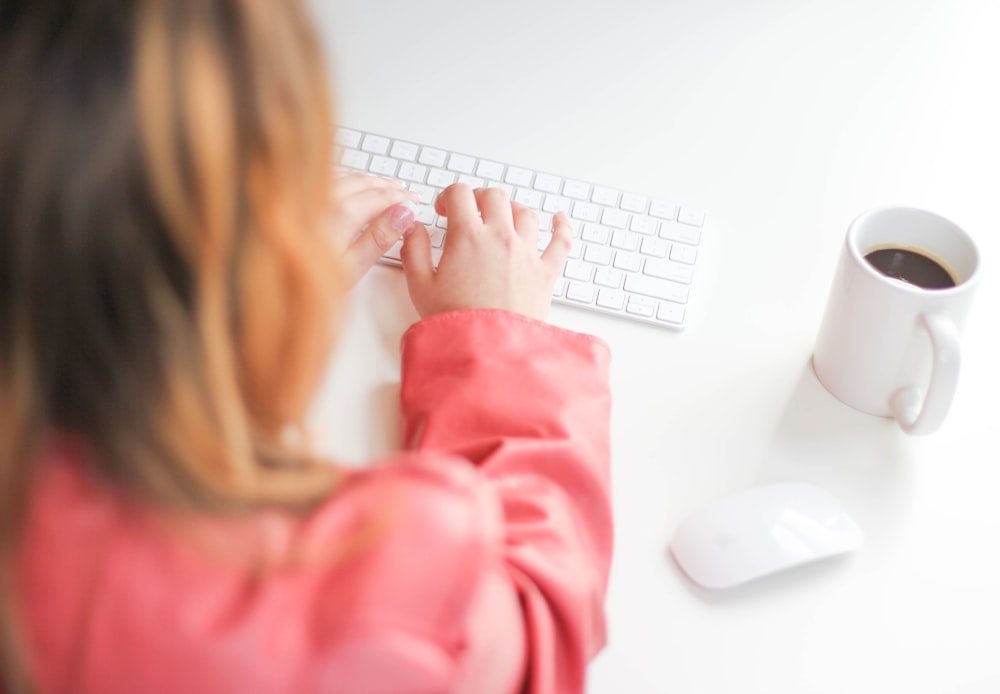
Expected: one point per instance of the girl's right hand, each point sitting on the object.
(490, 257)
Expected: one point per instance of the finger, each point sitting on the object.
(458, 204)
(418, 265)
(494, 205)
(555, 253)
(381, 233)
(366, 204)
(525, 223)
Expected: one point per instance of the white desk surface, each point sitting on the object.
(784, 119)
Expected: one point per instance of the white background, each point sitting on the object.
(784, 119)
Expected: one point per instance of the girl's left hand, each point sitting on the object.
(368, 215)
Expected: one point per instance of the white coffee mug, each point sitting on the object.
(887, 346)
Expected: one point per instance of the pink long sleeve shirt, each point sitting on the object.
(475, 561)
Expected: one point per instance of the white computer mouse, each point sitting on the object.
(761, 531)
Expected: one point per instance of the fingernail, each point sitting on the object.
(403, 216)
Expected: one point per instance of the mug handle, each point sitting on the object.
(913, 417)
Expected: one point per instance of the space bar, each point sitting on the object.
(657, 288)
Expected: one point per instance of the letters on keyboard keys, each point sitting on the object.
(632, 256)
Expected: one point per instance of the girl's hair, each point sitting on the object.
(167, 289)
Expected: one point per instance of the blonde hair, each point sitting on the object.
(167, 291)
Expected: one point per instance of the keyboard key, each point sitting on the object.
(599, 255)
(375, 144)
(460, 163)
(604, 196)
(490, 170)
(425, 214)
(681, 233)
(614, 218)
(632, 262)
(641, 306)
(530, 198)
(437, 235)
(586, 211)
(576, 189)
(625, 240)
(559, 289)
(505, 187)
(547, 183)
(669, 312)
(348, 138)
(578, 270)
(518, 177)
(471, 181)
(609, 277)
(684, 254)
(404, 150)
(439, 178)
(611, 298)
(657, 288)
(690, 216)
(655, 247)
(633, 203)
(354, 159)
(644, 225)
(669, 270)
(426, 193)
(383, 166)
(415, 173)
(579, 291)
(555, 203)
(432, 157)
(595, 233)
(663, 210)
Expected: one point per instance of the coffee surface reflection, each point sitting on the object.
(912, 267)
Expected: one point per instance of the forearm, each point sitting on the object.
(529, 405)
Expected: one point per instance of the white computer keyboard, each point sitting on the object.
(633, 256)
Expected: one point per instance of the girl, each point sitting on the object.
(171, 262)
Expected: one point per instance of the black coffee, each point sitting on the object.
(911, 267)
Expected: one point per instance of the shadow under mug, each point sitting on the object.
(888, 347)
